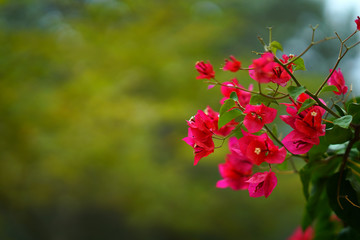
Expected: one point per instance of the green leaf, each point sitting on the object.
(328, 88)
(353, 177)
(228, 104)
(352, 100)
(323, 169)
(317, 151)
(258, 99)
(354, 110)
(228, 116)
(307, 103)
(316, 204)
(337, 135)
(238, 132)
(299, 64)
(343, 122)
(305, 176)
(234, 96)
(340, 110)
(349, 213)
(274, 45)
(294, 92)
(324, 226)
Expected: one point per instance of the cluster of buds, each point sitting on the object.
(245, 114)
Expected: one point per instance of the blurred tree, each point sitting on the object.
(94, 94)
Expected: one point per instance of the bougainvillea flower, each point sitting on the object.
(311, 125)
(262, 68)
(262, 184)
(236, 154)
(265, 69)
(299, 143)
(281, 76)
(357, 21)
(202, 122)
(307, 121)
(202, 127)
(299, 234)
(261, 149)
(236, 170)
(233, 86)
(257, 116)
(200, 134)
(214, 117)
(205, 70)
(202, 148)
(232, 65)
(337, 79)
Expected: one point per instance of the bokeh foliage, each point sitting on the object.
(94, 97)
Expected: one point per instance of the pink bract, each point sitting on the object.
(337, 79)
(311, 125)
(233, 86)
(262, 184)
(265, 69)
(299, 234)
(232, 176)
(308, 122)
(232, 65)
(214, 116)
(236, 154)
(202, 147)
(357, 21)
(257, 116)
(236, 170)
(262, 68)
(261, 149)
(281, 76)
(202, 127)
(205, 69)
(298, 143)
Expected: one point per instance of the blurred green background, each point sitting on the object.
(94, 98)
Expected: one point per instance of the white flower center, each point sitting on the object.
(313, 114)
(257, 151)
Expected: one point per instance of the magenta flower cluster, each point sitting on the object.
(251, 149)
(246, 119)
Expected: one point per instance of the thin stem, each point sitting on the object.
(261, 41)
(278, 141)
(273, 135)
(355, 163)
(354, 45)
(270, 35)
(249, 91)
(351, 35)
(232, 133)
(259, 85)
(287, 70)
(224, 85)
(313, 32)
(340, 56)
(247, 69)
(317, 100)
(347, 198)
(308, 48)
(344, 161)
